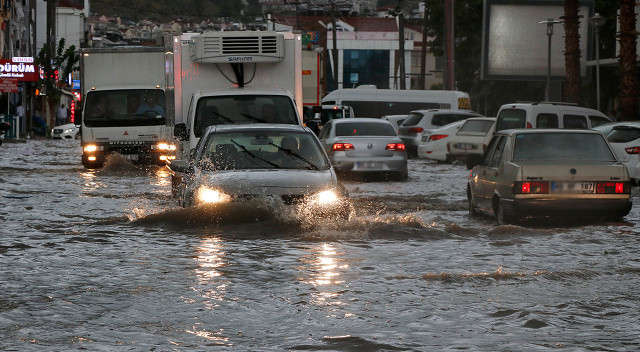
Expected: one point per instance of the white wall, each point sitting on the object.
(69, 25)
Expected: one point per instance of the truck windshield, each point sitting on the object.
(243, 109)
(127, 107)
(562, 146)
(262, 149)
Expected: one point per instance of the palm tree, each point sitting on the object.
(628, 73)
(572, 50)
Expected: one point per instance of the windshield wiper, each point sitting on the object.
(251, 117)
(291, 153)
(247, 151)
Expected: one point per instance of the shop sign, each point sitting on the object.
(19, 70)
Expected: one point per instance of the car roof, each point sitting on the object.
(559, 105)
(545, 130)
(445, 110)
(483, 118)
(628, 123)
(257, 127)
(360, 120)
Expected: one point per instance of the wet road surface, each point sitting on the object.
(105, 260)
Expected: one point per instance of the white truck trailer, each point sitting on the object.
(128, 104)
(241, 77)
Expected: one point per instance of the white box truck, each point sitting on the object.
(242, 77)
(128, 104)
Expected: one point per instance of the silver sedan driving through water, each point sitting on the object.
(281, 163)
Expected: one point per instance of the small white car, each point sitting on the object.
(396, 120)
(472, 138)
(546, 173)
(433, 144)
(625, 140)
(68, 131)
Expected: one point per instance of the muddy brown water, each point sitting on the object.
(105, 260)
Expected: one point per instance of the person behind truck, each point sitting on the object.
(150, 103)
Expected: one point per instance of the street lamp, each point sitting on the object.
(596, 22)
(549, 22)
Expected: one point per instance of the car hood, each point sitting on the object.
(268, 182)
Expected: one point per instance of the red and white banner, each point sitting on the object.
(19, 70)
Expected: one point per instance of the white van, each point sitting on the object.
(548, 115)
(368, 101)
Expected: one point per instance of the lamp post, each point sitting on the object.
(549, 22)
(596, 22)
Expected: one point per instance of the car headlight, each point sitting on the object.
(164, 146)
(68, 130)
(90, 148)
(211, 196)
(326, 197)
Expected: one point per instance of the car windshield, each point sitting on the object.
(476, 127)
(364, 129)
(243, 109)
(264, 149)
(623, 134)
(125, 107)
(562, 146)
(511, 118)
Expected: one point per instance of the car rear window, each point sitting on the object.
(575, 122)
(511, 118)
(412, 120)
(364, 129)
(561, 146)
(623, 134)
(476, 126)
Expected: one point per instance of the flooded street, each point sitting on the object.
(105, 260)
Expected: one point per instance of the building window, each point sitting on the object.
(366, 67)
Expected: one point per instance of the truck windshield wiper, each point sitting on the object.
(251, 117)
(248, 152)
(291, 153)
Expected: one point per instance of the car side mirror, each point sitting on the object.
(182, 166)
(180, 131)
(473, 160)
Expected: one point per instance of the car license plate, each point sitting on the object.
(131, 156)
(466, 146)
(368, 165)
(573, 187)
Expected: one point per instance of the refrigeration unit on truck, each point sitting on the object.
(235, 78)
(128, 104)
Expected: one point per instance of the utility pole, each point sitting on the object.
(449, 29)
(51, 24)
(334, 51)
(423, 52)
(399, 10)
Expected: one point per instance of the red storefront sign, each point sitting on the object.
(21, 71)
(8, 85)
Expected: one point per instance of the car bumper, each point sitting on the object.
(385, 164)
(584, 207)
(425, 151)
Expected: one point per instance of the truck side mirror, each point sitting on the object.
(180, 131)
(181, 166)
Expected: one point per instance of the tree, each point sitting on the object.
(571, 20)
(56, 65)
(628, 73)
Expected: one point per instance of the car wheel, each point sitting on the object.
(501, 217)
(472, 207)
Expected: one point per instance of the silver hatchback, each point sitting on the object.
(365, 146)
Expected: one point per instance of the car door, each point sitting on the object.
(479, 175)
(494, 171)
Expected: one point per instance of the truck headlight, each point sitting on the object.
(90, 148)
(164, 146)
(211, 196)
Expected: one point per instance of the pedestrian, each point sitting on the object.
(61, 115)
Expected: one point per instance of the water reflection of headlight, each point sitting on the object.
(326, 197)
(211, 196)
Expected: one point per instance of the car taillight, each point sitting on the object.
(613, 187)
(341, 147)
(416, 130)
(632, 150)
(435, 137)
(398, 147)
(537, 187)
(529, 125)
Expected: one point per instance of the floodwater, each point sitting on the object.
(106, 261)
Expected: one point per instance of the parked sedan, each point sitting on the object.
(68, 131)
(365, 146)
(625, 140)
(472, 137)
(433, 144)
(532, 173)
(282, 163)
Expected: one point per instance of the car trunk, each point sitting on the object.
(573, 171)
(369, 146)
